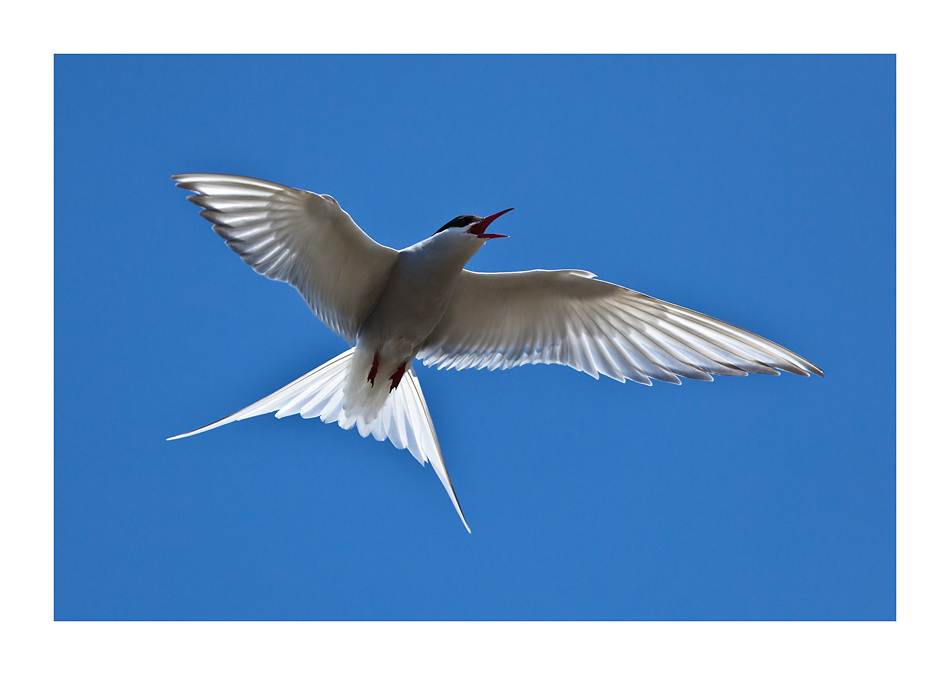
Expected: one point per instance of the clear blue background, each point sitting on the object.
(759, 190)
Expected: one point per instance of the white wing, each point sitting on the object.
(568, 317)
(299, 237)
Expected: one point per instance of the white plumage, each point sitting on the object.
(299, 237)
(420, 302)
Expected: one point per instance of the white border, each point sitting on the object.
(33, 642)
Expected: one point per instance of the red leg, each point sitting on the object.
(371, 378)
(396, 377)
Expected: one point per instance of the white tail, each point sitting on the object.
(404, 418)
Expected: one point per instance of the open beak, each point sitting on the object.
(478, 229)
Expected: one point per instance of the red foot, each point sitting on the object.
(396, 377)
(371, 378)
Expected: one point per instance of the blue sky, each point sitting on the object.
(759, 190)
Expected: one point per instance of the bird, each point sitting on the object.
(393, 307)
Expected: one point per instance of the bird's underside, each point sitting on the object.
(420, 303)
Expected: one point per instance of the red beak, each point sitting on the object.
(478, 229)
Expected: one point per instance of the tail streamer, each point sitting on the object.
(404, 419)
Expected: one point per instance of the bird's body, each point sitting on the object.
(410, 306)
(420, 302)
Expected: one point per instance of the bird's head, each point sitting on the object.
(473, 226)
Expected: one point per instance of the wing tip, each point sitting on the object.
(181, 178)
(803, 368)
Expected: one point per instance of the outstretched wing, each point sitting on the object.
(299, 237)
(568, 317)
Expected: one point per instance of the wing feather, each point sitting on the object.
(298, 237)
(569, 317)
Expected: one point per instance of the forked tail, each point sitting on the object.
(404, 418)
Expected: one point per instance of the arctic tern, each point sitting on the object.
(394, 306)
